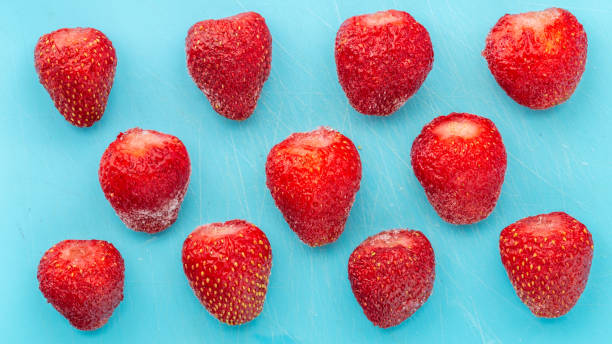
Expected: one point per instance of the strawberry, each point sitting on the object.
(144, 175)
(83, 280)
(537, 57)
(548, 259)
(228, 266)
(77, 67)
(392, 275)
(229, 59)
(460, 160)
(313, 178)
(382, 59)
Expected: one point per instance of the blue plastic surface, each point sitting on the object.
(560, 159)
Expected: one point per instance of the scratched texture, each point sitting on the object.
(560, 159)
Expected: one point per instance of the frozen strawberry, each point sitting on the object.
(460, 160)
(144, 175)
(228, 266)
(77, 67)
(313, 178)
(382, 59)
(548, 259)
(229, 59)
(83, 280)
(537, 57)
(392, 274)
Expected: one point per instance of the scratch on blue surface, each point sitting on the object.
(337, 11)
(241, 5)
(294, 59)
(323, 21)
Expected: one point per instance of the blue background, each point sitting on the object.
(559, 159)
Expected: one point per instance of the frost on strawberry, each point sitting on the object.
(229, 59)
(382, 59)
(144, 175)
(313, 178)
(77, 67)
(228, 265)
(548, 260)
(392, 275)
(460, 160)
(83, 280)
(537, 57)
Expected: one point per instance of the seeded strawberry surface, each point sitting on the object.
(313, 178)
(460, 160)
(229, 59)
(228, 266)
(144, 175)
(537, 57)
(382, 59)
(548, 260)
(77, 67)
(392, 274)
(83, 280)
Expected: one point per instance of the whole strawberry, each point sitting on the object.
(548, 259)
(229, 59)
(537, 57)
(460, 160)
(77, 67)
(83, 280)
(313, 178)
(382, 59)
(392, 274)
(228, 266)
(144, 175)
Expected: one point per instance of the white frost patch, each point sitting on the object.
(460, 127)
(151, 221)
(537, 20)
(381, 18)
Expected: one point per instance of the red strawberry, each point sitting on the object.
(144, 175)
(77, 67)
(537, 57)
(229, 59)
(382, 59)
(392, 274)
(83, 280)
(227, 266)
(460, 160)
(313, 178)
(548, 259)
